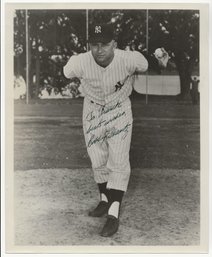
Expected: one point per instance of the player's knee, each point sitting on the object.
(98, 164)
(116, 166)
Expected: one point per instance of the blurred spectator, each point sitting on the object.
(71, 90)
(44, 94)
(55, 93)
(74, 89)
(194, 89)
(19, 87)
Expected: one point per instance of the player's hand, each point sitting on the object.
(163, 58)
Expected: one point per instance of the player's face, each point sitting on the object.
(103, 53)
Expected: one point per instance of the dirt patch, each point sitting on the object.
(161, 207)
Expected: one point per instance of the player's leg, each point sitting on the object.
(119, 142)
(118, 162)
(98, 154)
(118, 181)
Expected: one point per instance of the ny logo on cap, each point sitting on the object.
(98, 29)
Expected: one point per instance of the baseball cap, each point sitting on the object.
(100, 33)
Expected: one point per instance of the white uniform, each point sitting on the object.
(107, 115)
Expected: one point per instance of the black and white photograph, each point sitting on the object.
(108, 112)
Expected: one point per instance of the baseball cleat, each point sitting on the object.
(111, 226)
(100, 210)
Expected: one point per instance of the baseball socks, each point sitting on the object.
(103, 205)
(112, 223)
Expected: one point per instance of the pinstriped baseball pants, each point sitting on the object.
(108, 132)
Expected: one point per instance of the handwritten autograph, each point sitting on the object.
(109, 134)
(103, 110)
(109, 109)
(103, 121)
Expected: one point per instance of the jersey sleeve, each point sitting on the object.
(138, 62)
(73, 67)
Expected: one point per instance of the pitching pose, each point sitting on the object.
(106, 76)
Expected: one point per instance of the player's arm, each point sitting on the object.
(73, 68)
(140, 62)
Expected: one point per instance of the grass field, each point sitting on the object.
(49, 135)
(54, 185)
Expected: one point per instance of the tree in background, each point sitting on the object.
(19, 43)
(55, 35)
(178, 32)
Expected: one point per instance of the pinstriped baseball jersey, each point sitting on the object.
(107, 114)
(105, 85)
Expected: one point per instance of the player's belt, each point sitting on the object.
(102, 105)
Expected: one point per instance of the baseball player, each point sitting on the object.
(107, 76)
